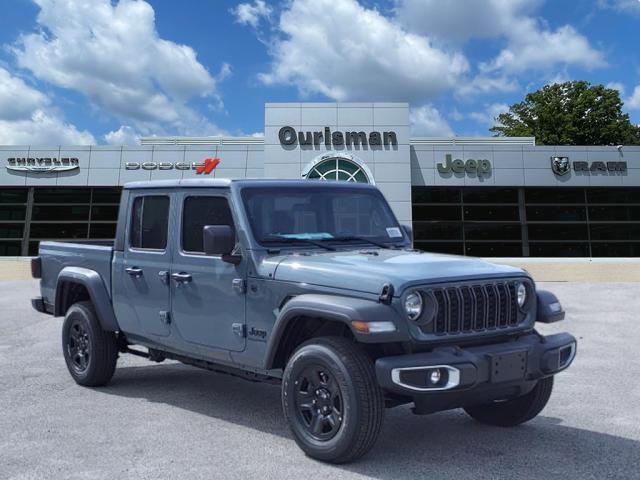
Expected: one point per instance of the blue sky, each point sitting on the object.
(100, 71)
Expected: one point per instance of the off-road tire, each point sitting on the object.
(102, 346)
(515, 411)
(362, 403)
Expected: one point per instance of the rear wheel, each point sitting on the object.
(331, 400)
(517, 410)
(90, 352)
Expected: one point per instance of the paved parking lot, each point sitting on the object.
(172, 421)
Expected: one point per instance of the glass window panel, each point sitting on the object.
(199, 212)
(435, 195)
(10, 249)
(149, 224)
(102, 230)
(613, 195)
(60, 212)
(59, 230)
(600, 249)
(11, 230)
(61, 195)
(106, 195)
(560, 249)
(558, 231)
(453, 248)
(490, 195)
(554, 195)
(559, 213)
(13, 195)
(33, 248)
(492, 212)
(493, 249)
(104, 212)
(14, 212)
(612, 231)
(437, 231)
(492, 231)
(437, 212)
(619, 213)
(349, 167)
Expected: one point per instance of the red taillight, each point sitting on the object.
(36, 267)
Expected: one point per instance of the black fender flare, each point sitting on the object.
(98, 294)
(335, 308)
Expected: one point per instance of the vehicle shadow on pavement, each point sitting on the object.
(443, 445)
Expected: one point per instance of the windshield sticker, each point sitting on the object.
(307, 236)
(394, 232)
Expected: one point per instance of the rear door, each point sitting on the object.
(207, 294)
(142, 277)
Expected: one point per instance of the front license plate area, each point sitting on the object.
(506, 367)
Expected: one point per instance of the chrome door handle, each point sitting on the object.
(181, 277)
(134, 271)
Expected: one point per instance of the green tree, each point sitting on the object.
(570, 113)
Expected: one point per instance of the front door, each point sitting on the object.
(207, 294)
(142, 276)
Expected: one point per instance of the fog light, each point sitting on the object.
(434, 376)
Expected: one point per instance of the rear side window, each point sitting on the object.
(149, 221)
(199, 212)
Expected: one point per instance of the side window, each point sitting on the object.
(199, 212)
(149, 221)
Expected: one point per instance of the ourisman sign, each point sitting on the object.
(289, 136)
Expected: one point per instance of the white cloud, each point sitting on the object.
(427, 121)
(484, 84)
(251, 14)
(356, 53)
(529, 43)
(616, 86)
(42, 128)
(633, 102)
(532, 48)
(125, 135)
(17, 99)
(488, 117)
(624, 6)
(26, 117)
(113, 55)
(461, 20)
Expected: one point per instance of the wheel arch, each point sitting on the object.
(76, 284)
(312, 315)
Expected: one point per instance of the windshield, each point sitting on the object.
(309, 216)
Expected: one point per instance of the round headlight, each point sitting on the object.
(413, 305)
(521, 291)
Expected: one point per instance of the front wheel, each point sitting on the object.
(518, 410)
(90, 352)
(331, 400)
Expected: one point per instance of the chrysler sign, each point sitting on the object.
(42, 164)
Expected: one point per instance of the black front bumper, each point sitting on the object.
(475, 375)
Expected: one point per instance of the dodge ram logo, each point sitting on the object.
(560, 165)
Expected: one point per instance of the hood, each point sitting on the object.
(368, 270)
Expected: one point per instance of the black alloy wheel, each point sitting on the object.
(79, 346)
(319, 403)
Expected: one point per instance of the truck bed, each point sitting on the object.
(55, 256)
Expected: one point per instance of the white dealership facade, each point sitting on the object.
(478, 196)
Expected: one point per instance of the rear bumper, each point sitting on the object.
(477, 374)
(39, 305)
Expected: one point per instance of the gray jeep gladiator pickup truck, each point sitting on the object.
(312, 285)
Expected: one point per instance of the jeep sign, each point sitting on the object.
(470, 166)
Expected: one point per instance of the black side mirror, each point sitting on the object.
(220, 240)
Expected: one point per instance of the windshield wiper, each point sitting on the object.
(283, 239)
(355, 238)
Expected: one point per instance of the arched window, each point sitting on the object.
(337, 168)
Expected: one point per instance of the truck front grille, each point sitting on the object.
(474, 308)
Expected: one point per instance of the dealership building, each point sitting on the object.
(500, 197)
